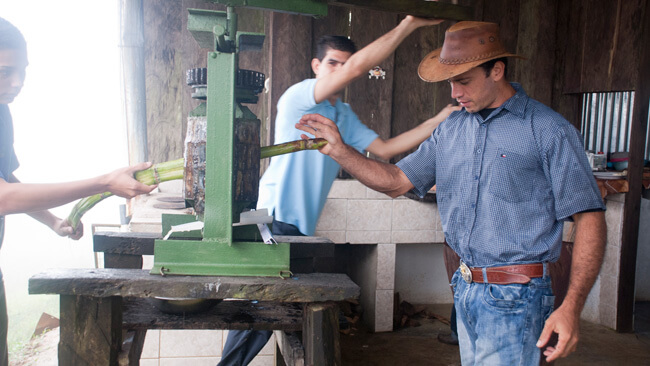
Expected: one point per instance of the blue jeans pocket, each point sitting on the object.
(548, 305)
(507, 298)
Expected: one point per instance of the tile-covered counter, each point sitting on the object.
(355, 214)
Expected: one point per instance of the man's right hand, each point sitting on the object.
(122, 183)
(418, 22)
(322, 127)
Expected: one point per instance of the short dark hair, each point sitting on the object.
(339, 43)
(10, 36)
(489, 65)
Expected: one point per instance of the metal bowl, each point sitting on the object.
(181, 305)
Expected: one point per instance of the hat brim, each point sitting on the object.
(431, 70)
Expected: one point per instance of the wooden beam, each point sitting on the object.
(91, 330)
(290, 348)
(630, 230)
(421, 8)
(320, 334)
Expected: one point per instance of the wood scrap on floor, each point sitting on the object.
(406, 314)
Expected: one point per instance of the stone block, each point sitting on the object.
(369, 215)
(383, 311)
(368, 237)
(415, 236)
(333, 217)
(414, 215)
(386, 266)
(347, 188)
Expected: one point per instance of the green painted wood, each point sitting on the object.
(427, 9)
(304, 7)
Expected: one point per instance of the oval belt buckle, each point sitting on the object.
(465, 272)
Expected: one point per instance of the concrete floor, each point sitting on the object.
(419, 345)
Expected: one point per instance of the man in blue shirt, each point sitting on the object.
(295, 186)
(509, 171)
(36, 199)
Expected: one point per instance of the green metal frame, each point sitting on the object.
(221, 249)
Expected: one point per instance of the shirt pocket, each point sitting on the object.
(512, 176)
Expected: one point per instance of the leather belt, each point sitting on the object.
(504, 275)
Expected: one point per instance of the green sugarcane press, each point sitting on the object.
(232, 159)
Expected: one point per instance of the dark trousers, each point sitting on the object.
(243, 345)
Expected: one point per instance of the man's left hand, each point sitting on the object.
(566, 324)
(63, 228)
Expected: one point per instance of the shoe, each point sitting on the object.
(449, 338)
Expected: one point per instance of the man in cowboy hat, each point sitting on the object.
(509, 171)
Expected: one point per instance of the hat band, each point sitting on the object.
(456, 61)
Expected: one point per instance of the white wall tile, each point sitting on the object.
(384, 311)
(347, 188)
(190, 361)
(335, 236)
(386, 266)
(151, 347)
(415, 236)
(414, 215)
(374, 195)
(190, 343)
(149, 362)
(333, 216)
(368, 237)
(369, 215)
(263, 360)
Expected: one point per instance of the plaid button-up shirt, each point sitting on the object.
(506, 183)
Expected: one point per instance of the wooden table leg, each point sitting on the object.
(320, 334)
(91, 330)
(132, 347)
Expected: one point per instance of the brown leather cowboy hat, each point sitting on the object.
(466, 45)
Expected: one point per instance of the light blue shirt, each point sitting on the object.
(505, 184)
(295, 186)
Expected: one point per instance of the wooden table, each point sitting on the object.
(105, 313)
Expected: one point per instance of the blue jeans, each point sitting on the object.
(243, 345)
(500, 324)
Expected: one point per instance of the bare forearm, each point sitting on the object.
(402, 142)
(29, 198)
(371, 55)
(411, 138)
(588, 252)
(381, 177)
(45, 217)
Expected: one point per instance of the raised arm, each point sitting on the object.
(382, 177)
(371, 55)
(386, 149)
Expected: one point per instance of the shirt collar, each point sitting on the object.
(517, 103)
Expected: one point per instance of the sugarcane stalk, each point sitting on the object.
(292, 146)
(174, 169)
(157, 173)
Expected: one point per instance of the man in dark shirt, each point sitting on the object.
(36, 199)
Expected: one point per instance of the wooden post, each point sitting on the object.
(630, 230)
(320, 334)
(91, 330)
